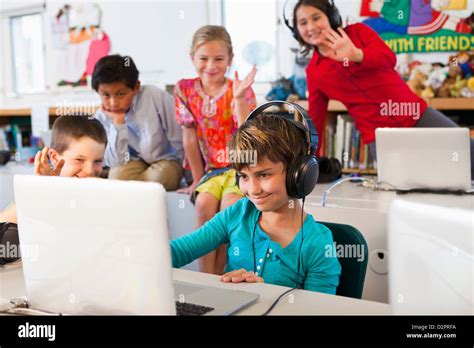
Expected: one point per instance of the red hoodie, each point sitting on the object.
(372, 91)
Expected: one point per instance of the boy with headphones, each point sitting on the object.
(270, 238)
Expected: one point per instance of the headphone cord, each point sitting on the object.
(298, 270)
(277, 300)
(340, 181)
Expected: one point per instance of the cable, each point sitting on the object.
(277, 300)
(340, 181)
(301, 244)
(380, 187)
(253, 244)
(298, 269)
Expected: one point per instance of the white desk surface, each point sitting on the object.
(353, 195)
(348, 203)
(367, 210)
(301, 302)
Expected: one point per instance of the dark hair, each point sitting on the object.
(270, 136)
(325, 7)
(68, 128)
(115, 68)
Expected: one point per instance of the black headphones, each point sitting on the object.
(302, 176)
(335, 19)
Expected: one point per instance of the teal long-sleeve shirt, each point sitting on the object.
(319, 268)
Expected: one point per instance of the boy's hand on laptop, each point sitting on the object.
(240, 276)
(117, 117)
(42, 165)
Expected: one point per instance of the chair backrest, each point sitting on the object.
(352, 252)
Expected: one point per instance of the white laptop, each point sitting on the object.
(424, 158)
(96, 246)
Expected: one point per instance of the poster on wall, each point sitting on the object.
(78, 42)
(422, 26)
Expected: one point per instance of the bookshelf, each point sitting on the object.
(452, 104)
(21, 116)
(446, 105)
(16, 128)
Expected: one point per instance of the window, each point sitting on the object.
(27, 53)
(252, 25)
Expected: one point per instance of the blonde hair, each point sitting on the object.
(210, 33)
(270, 136)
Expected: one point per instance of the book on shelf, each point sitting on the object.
(4, 145)
(343, 141)
(14, 137)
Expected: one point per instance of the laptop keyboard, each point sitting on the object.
(183, 308)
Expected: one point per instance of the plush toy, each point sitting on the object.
(428, 92)
(464, 61)
(458, 85)
(417, 79)
(449, 84)
(436, 78)
(425, 68)
(468, 91)
(403, 66)
(281, 89)
(298, 78)
(470, 84)
(429, 80)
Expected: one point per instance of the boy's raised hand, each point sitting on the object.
(117, 117)
(42, 165)
(240, 276)
(241, 86)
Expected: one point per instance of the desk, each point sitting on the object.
(348, 203)
(302, 302)
(367, 210)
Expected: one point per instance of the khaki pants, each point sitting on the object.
(166, 172)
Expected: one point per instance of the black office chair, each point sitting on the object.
(351, 281)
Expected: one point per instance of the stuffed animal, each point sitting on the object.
(436, 78)
(298, 78)
(428, 92)
(281, 89)
(403, 66)
(417, 79)
(457, 86)
(470, 84)
(468, 91)
(464, 61)
(450, 83)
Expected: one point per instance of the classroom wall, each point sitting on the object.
(157, 34)
(350, 10)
